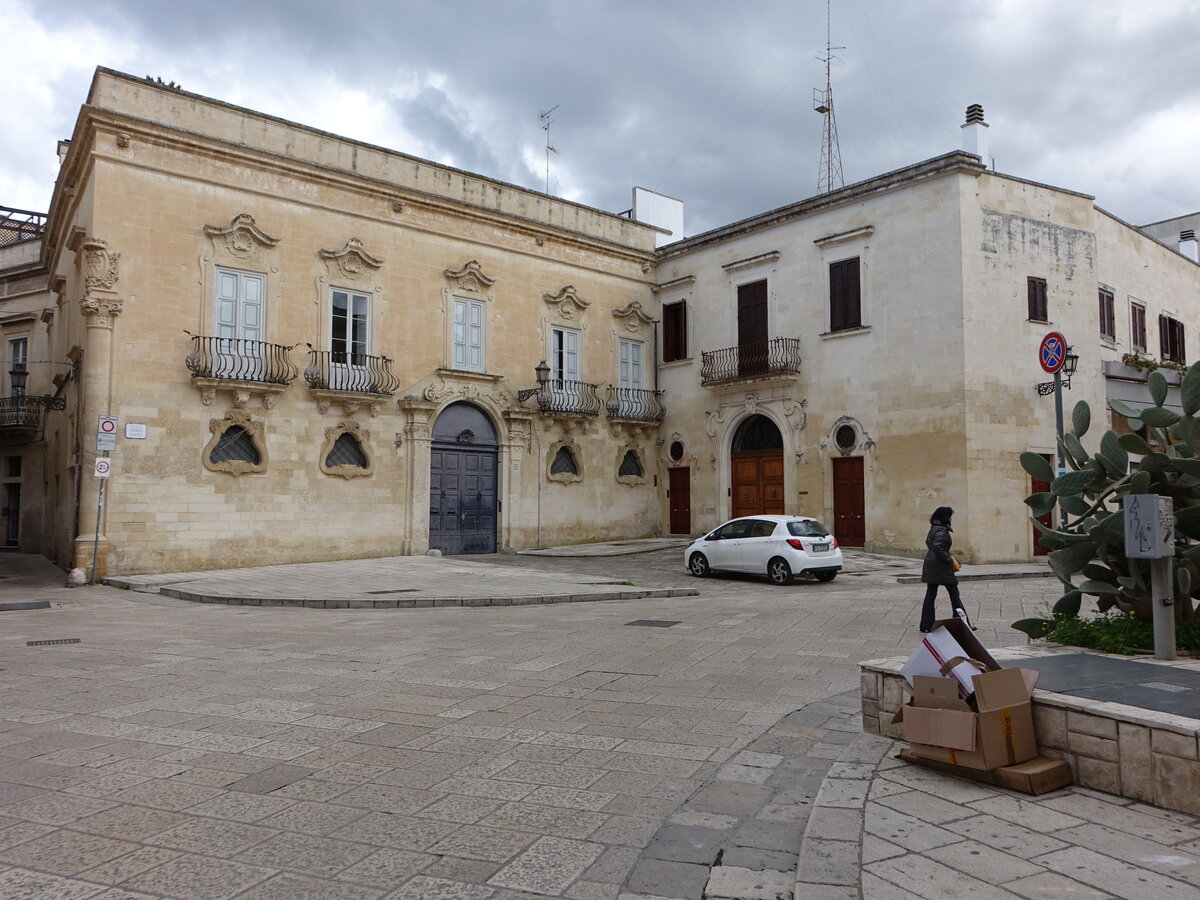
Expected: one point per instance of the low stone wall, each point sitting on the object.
(1136, 753)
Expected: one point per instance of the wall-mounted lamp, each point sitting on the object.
(18, 375)
(542, 371)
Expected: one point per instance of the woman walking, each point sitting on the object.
(939, 567)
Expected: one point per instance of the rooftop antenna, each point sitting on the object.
(830, 176)
(546, 118)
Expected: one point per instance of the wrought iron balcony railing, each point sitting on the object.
(235, 359)
(20, 412)
(356, 372)
(636, 404)
(577, 397)
(778, 356)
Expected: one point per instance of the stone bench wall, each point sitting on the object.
(1136, 753)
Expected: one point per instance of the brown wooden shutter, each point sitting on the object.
(845, 305)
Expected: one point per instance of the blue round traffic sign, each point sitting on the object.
(1053, 352)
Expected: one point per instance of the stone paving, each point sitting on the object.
(181, 750)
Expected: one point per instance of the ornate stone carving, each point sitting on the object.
(470, 278)
(241, 238)
(362, 437)
(632, 317)
(712, 420)
(99, 312)
(797, 417)
(99, 264)
(352, 262)
(122, 141)
(567, 302)
(253, 428)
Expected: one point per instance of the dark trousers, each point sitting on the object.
(927, 614)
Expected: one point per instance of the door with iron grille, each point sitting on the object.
(463, 482)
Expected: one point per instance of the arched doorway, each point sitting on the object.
(462, 481)
(757, 468)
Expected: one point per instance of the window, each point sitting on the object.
(675, 331)
(631, 466)
(1170, 336)
(1137, 326)
(350, 315)
(631, 365)
(346, 451)
(564, 355)
(1108, 316)
(238, 444)
(239, 309)
(1037, 300)
(845, 298)
(235, 445)
(468, 335)
(564, 463)
(18, 358)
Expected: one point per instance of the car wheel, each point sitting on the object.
(825, 576)
(699, 565)
(779, 571)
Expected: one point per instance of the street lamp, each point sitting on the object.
(18, 375)
(542, 372)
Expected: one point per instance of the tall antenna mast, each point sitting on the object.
(545, 117)
(830, 176)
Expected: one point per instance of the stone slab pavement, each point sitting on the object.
(184, 750)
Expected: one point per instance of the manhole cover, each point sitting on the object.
(48, 643)
(654, 623)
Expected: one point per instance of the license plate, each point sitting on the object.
(820, 548)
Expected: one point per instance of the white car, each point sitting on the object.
(780, 547)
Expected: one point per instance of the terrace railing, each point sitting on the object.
(635, 404)
(20, 412)
(355, 372)
(778, 356)
(573, 397)
(236, 359)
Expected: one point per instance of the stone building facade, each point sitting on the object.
(310, 348)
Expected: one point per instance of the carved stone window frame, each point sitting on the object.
(565, 477)
(254, 429)
(362, 436)
(468, 282)
(355, 271)
(632, 480)
(243, 246)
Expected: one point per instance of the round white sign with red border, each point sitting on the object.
(103, 468)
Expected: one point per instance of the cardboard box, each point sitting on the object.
(994, 729)
(947, 641)
(1034, 776)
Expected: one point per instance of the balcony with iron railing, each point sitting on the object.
(20, 414)
(350, 372)
(243, 366)
(778, 357)
(17, 225)
(575, 398)
(635, 404)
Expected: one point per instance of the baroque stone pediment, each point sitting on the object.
(567, 302)
(470, 278)
(241, 238)
(632, 316)
(352, 261)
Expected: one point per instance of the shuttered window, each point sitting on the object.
(1108, 316)
(845, 306)
(468, 335)
(1137, 326)
(675, 331)
(1038, 311)
(1171, 341)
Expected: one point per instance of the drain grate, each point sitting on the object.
(395, 591)
(49, 643)
(654, 623)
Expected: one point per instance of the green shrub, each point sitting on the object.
(1118, 632)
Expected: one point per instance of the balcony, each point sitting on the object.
(571, 398)
(241, 366)
(635, 405)
(762, 359)
(349, 379)
(20, 416)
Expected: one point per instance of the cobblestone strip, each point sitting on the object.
(739, 836)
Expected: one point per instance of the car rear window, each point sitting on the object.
(806, 529)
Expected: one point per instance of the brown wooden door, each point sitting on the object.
(1041, 487)
(752, 328)
(679, 495)
(848, 502)
(757, 483)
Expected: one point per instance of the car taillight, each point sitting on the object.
(834, 544)
(793, 542)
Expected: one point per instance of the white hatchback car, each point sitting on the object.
(780, 547)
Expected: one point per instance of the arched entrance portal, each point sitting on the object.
(462, 481)
(757, 461)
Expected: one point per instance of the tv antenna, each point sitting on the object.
(546, 117)
(830, 176)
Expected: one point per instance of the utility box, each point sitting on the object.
(1149, 526)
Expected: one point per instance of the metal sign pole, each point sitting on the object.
(1163, 598)
(1058, 425)
(96, 545)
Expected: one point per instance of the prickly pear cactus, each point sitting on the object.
(1088, 553)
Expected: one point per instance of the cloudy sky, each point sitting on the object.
(710, 102)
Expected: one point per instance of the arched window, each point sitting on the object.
(564, 463)
(235, 445)
(347, 451)
(631, 466)
(757, 433)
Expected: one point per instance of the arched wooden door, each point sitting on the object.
(756, 476)
(462, 481)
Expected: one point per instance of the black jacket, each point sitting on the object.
(937, 568)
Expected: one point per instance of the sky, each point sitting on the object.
(709, 102)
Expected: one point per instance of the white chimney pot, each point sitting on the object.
(975, 133)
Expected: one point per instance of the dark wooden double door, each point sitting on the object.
(757, 483)
(462, 500)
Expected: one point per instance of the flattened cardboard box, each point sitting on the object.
(995, 729)
(949, 639)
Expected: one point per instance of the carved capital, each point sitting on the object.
(99, 312)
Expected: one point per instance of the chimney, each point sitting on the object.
(1188, 245)
(63, 147)
(975, 133)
